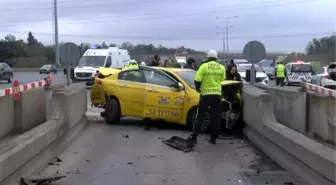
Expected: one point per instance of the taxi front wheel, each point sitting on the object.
(112, 111)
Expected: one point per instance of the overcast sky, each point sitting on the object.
(282, 25)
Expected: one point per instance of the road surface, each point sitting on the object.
(126, 154)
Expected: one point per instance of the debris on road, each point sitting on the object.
(178, 143)
(42, 179)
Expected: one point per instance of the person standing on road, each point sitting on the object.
(208, 79)
(155, 61)
(280, 74)
(190, 64)
(233, 74)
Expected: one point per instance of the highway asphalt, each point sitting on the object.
(126, 154)
(26, 77)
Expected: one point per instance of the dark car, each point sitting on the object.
(46, 69)
(6, 72)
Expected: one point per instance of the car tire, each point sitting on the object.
(10, 80)
(112, 111)
(191, 119)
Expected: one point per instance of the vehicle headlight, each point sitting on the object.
(266, 80)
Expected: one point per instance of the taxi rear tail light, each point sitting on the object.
(326, 76)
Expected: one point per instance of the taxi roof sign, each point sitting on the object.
(300, 61)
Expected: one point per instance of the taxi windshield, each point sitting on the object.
(188, 77)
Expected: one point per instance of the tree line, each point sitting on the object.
(324, 47)
(32, 53)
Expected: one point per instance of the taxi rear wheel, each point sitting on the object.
(112, 111)
(191, 120)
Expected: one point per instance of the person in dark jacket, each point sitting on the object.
(231, 64)
(233, 74)
(190, 64)
(155, 61)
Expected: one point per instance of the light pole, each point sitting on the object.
(56, 33)
(227, 30)
(223, 37)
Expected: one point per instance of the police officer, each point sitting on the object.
(155, 61)
(208, 79)
(280, 74)
(131, 65)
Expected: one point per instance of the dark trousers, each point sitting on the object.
(280, 81)
(214, 102)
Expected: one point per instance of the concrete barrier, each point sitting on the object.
(321, 117)
(6, 115)
(310, 162)
(25, 113)
(290, 108)
(31, 151)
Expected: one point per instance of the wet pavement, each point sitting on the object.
(126, 154)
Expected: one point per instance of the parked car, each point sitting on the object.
(325, 76)
(45, 69)
(6, 72)
(268, 67)
(261, 77)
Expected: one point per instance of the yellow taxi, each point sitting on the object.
(148, 92)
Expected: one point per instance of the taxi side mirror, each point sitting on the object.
(178, 86)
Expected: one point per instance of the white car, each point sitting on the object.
(261, 77)
(321, 77)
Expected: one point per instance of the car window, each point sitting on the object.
(108, 62)
(4, 65)
(156, 78)
(133, 75)
(320, 70)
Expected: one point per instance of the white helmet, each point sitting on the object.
(212, 54)
(143, 63)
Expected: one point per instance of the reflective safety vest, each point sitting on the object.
(280, 71)
(211, 75)
(131, 66)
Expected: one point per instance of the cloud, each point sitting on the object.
(282, 25)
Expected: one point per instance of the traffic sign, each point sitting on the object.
(16, 90)
(69, 54)
(254, 51)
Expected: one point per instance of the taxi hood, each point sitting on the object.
(230, 82)
(108, 71)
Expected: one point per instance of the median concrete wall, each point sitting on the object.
(24, 114)
(321, 117)
(290, 108)
(6, 115)
(308, 161)
(305, 112)
(30, 110)
(31, 151)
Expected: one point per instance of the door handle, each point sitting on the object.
(122, 85)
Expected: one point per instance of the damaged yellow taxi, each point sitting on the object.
(155, 93)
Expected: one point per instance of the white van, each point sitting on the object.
(92, 59)
(298, 71)
(181, 60)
